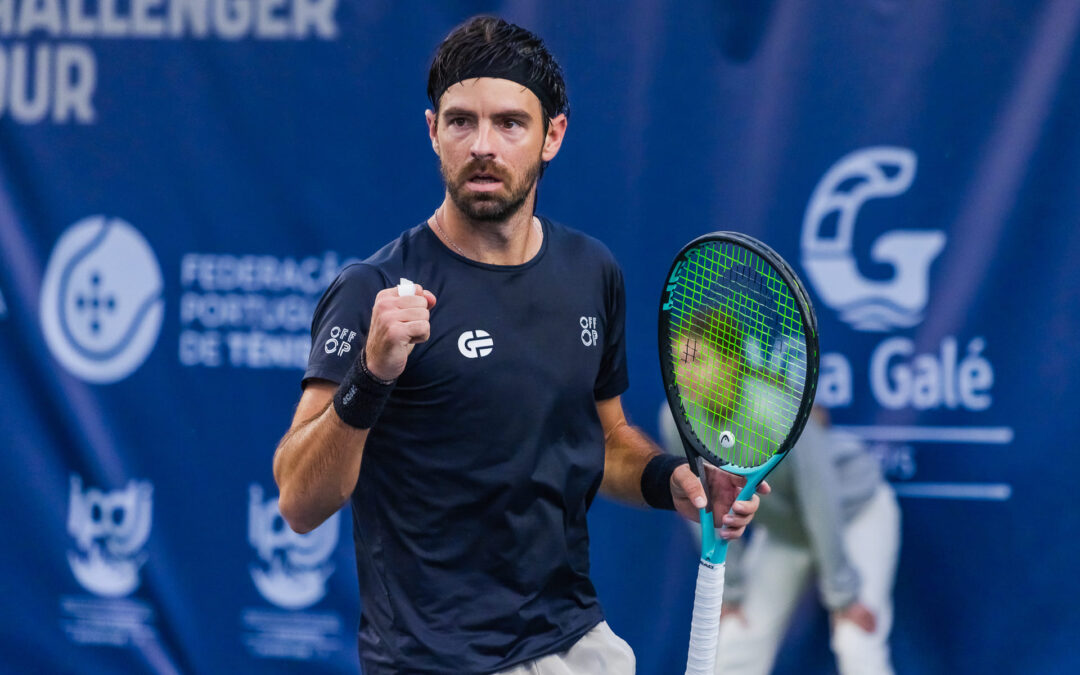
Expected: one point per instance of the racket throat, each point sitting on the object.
(699, 468)
(713, 548)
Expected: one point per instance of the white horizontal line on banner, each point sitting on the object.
(916, 434)
(993, 492)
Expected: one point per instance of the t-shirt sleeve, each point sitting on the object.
(613, 379)
(341, 320)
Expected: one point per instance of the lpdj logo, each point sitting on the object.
(474, 344)
(110, 530)
(828, 233)
(101, 304)
(293, 568)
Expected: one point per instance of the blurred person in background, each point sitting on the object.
(836, 522)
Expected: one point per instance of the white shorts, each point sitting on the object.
(598, 652)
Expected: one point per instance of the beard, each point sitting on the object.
(490, 206)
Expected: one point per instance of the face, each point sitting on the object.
(489, 135)
(707, 377)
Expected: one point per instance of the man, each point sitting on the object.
(488, 421)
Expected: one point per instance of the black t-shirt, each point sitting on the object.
(469, 515)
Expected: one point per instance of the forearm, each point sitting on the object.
(626, 452)
(316, 467)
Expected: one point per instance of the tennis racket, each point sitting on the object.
(739, 358)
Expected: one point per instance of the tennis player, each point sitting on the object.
(483, 398)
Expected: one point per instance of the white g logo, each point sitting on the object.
(867, 304)
(473, 344)
(101, 305)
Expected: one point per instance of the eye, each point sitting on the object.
(457, 122)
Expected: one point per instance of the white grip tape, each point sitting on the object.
(405, 287)
(705, 626)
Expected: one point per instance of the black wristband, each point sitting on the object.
(360, 399)
(656, 481)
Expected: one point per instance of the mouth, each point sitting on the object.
(484, 181)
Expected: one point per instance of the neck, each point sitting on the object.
(507, 242)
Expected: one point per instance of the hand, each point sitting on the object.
(724, 487)
(398, 324)
(857, 613)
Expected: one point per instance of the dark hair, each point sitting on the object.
(488, 43)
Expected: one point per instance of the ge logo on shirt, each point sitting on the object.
(475, 343)
(101, 299)
(829, 231)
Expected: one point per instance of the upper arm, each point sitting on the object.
(611, 415)
(612, 379)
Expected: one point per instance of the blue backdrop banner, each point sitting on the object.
(181, 179)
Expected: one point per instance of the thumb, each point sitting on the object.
(428, 295)
(684, 481)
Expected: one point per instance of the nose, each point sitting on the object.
(483, 143)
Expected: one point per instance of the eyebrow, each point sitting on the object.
(510, 112)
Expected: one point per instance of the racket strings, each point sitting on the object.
(738, 350)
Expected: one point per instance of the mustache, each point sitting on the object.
(485, 167)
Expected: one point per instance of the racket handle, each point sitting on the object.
(705, 625)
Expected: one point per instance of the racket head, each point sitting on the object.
(738, 351)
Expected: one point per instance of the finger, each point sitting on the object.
(425, 295)
(733, 520)
(764, 488)
(728, 532)
(407, 314)
(690, 486)
(387, 300)
(430, 297)
(386, 294)
(417, 331)
(746, 507)
(411, 301)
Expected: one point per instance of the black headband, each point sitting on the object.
(519, 72)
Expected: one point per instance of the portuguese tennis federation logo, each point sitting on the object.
(828, 235)
(101, 299)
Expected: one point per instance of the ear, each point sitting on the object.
(556, 132)
(433, 128)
